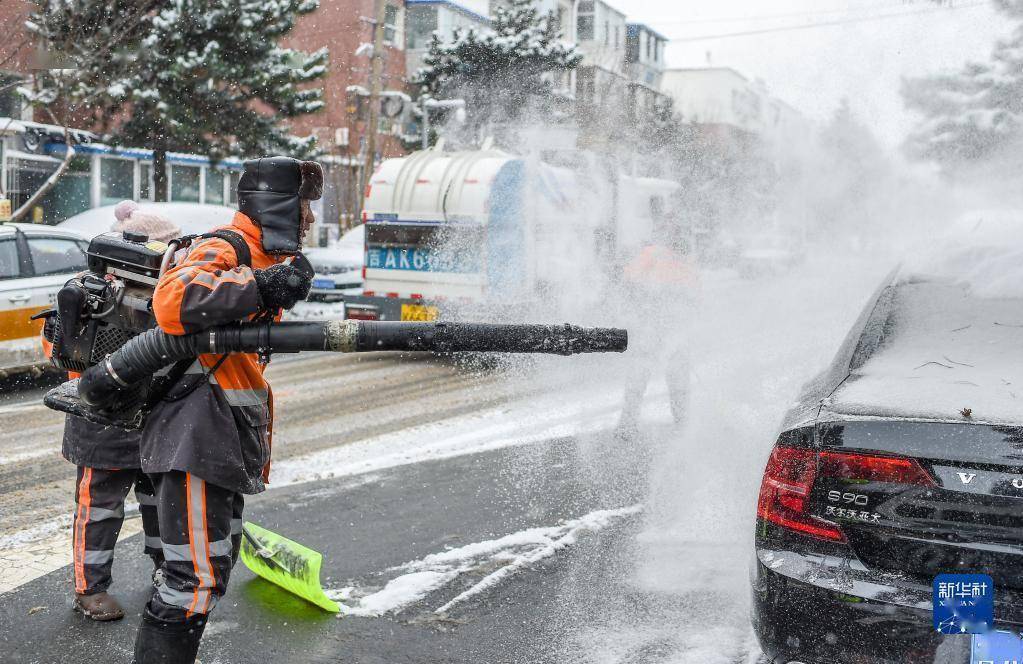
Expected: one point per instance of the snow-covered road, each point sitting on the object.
(671, 587)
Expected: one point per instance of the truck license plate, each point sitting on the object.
(418, 312)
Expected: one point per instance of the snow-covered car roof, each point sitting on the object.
(944, 352)
(192, 218)
(7, 228)
(941, 339)
(347, 251)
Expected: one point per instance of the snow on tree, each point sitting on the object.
(972, 114)
(200, 76)
(501, 71)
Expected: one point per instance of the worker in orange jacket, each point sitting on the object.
(661, 281)
(108, 467)
(207, 442)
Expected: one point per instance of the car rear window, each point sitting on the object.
(55, 255)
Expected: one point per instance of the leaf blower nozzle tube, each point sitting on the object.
(104, 384)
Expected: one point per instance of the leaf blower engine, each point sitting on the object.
(103, 328)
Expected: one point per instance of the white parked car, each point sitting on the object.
(338, 274)
(191, 218)
(338, 267)
(35, 262)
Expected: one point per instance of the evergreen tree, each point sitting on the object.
(849, 175)
(499, 72)
(971, 114)
(201, 76)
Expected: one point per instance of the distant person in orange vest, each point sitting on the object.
(661, 280)
(109, 465)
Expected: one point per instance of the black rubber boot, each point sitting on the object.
(162, 642)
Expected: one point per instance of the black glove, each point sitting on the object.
(282, 285)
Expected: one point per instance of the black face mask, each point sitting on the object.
(270, 192)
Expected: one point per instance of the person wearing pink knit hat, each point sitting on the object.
(130, 216)
(108, 461)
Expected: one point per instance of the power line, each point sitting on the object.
(821, 24)
(772, 17)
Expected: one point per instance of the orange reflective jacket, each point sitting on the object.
(216, 422)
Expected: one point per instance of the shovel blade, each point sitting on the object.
(291, 566)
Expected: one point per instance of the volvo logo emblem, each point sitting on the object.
(1018, 483)
(966, 478)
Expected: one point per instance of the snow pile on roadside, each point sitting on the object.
(36, 533)
(509, 554)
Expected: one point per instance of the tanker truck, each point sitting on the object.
(485, 234)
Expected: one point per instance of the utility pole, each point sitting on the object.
(375, 84)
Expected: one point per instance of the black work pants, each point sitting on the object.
(200, 529)
(99, 514)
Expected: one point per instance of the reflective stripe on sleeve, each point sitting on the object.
(245, 396)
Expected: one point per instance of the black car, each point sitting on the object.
(902, 461)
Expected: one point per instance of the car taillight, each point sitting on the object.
(870, 468)
(791, 472)
(785, 494)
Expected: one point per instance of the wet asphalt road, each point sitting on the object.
(364, 525)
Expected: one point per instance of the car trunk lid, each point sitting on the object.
(961, 512)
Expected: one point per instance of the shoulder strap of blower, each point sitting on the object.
(237, 242)
(244, 256)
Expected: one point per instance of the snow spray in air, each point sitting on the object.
(737, 261)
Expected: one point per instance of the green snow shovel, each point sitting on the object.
(288, 564)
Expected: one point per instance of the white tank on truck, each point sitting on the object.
(484, 232)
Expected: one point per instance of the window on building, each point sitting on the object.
(116, 180)
(9, 268)
(390, 23)
(54, 255)
(585, 6)
(10, 100)
(618, 36)
(214, 186)
(584, 31)
(145, 182)
(73, 192)
(421, 22)
(184, 184)
(607, 33)
(649, 47)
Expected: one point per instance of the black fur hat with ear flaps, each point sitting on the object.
(270, 192)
